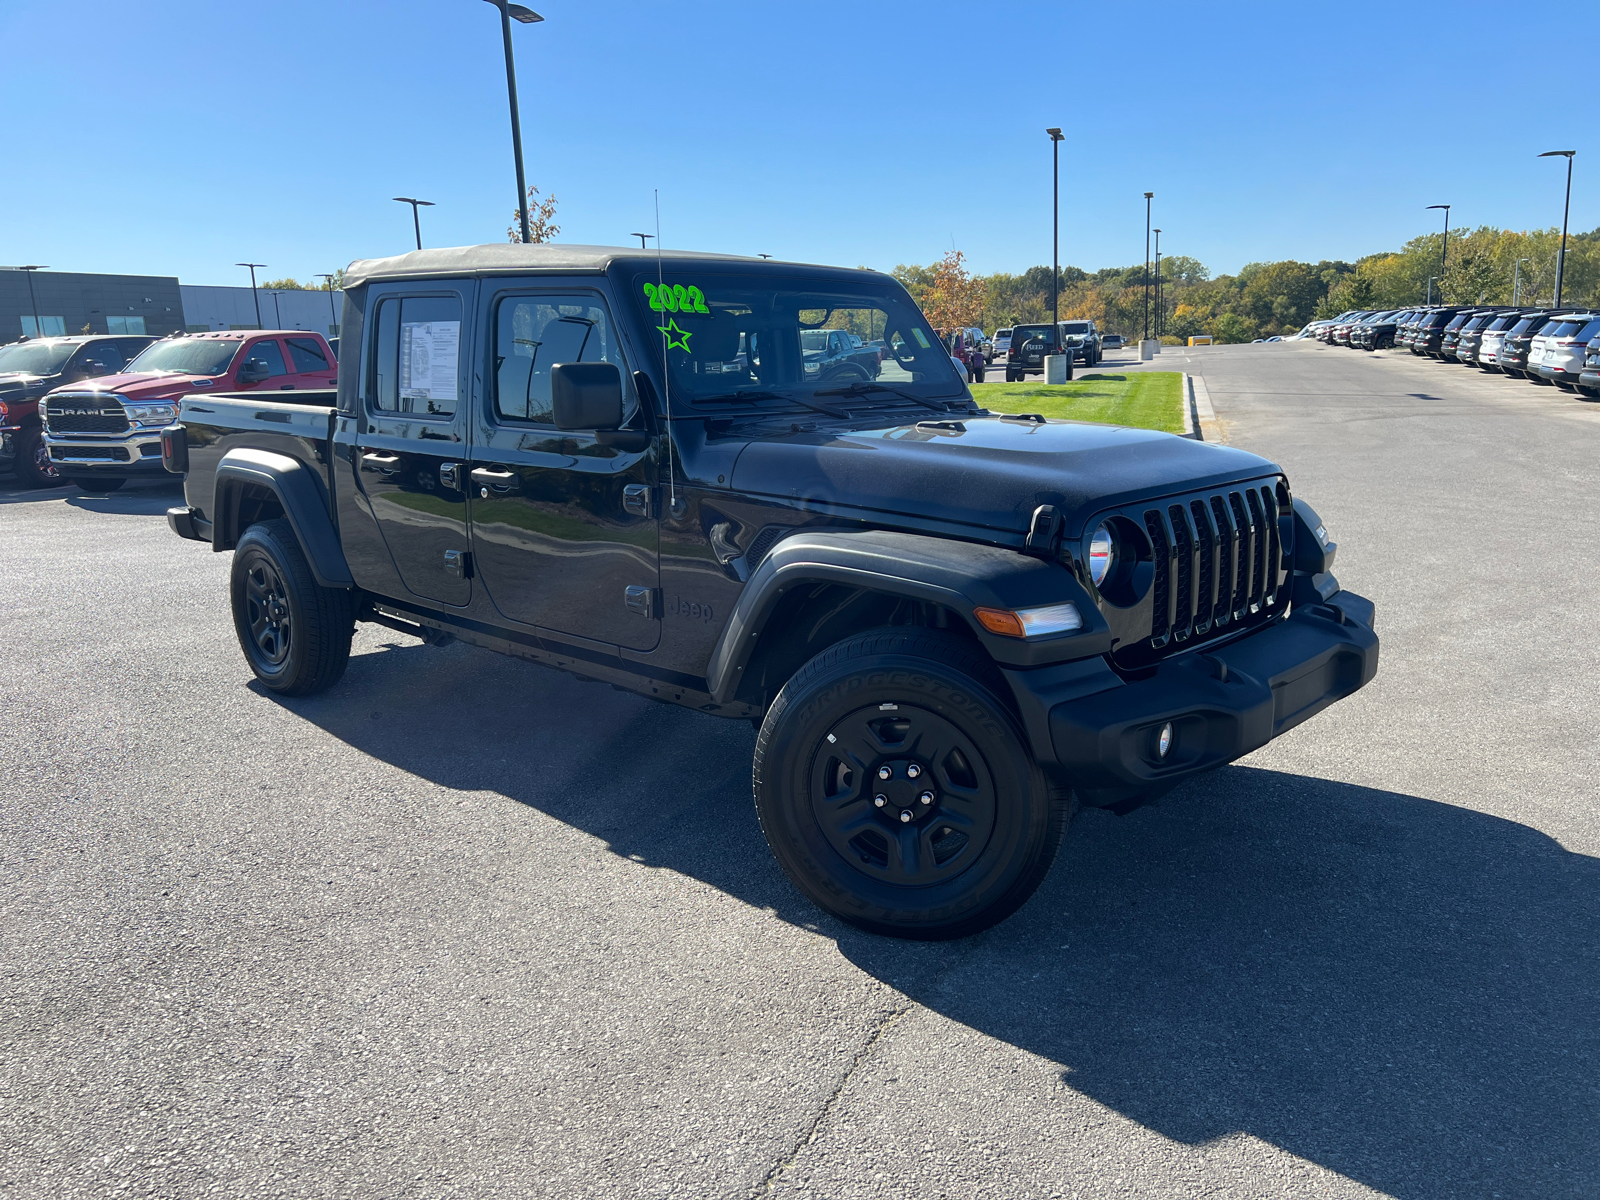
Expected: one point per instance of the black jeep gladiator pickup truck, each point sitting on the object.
(950, 626)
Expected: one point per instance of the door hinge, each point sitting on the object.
(639, 499)
(458, 563)
(1044, 532)
(643, 601)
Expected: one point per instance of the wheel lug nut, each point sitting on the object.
(913, 771)
(880, 800)
(885, 772)
(905, 816)
(926, 797)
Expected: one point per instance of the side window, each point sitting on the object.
(533, 334)
(267, 351)
(98, 358)
(306, 355)
(416, 364)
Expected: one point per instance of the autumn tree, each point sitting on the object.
(541, 219)
(953, 297)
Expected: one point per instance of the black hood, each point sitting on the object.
(992, 474)
(18, 385)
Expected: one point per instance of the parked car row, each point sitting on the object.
(89, 410)
(1558, 346)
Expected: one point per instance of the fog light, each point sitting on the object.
(1164, 740)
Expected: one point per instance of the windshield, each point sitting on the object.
(187, 356)
(35, 358)
(741, 338)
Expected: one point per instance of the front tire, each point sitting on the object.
(968, 825)
(295, 633)
(34, 468)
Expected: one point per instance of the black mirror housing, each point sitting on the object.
(586, 395)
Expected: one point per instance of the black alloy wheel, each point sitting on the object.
(34, 467)
(896, 790)
(295, 634)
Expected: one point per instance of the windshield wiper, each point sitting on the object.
(861, 389)
(752, 394)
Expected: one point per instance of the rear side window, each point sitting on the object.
(1592, 329)
(416, 364)
(268, 353)
(535, 333)
(307, 355)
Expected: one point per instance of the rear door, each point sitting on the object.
(411, 442)
(309, 364)
(564, 527)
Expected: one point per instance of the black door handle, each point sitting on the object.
(388, 464)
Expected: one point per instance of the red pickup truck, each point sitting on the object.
(104, 431)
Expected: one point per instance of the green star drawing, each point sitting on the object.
(681, 340)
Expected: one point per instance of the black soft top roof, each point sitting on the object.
(509, 258)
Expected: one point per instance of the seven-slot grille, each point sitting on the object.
(84, 414)
(1218, 561)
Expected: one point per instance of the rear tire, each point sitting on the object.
(97, 487)
(295, 634)
(925, 706)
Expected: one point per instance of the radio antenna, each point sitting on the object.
(666, 370)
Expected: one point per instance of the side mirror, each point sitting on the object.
(586, 395)
(253, 371)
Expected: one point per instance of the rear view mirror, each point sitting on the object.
(586, 395)
(253, 371)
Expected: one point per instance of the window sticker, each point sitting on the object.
(428, 358)
(677, 339)
(922, 338)
(675, 297)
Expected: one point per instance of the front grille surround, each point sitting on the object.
(1213, 563)
(87, 413)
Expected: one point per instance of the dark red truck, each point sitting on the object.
(104, 431)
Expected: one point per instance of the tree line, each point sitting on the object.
(1483, 266)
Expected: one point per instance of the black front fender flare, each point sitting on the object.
(304, 504)
(959, 576)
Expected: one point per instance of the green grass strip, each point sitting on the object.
(1144, 399)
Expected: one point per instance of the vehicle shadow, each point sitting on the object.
(141, 498)
(1397, 989)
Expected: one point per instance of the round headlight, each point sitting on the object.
(1102, 554)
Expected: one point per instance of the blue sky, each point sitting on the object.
(177, 137)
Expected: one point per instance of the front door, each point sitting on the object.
(410, 450)
(564, 529)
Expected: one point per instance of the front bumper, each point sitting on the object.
(139, 454)
(1221, 704)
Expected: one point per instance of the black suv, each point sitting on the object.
(951, 626)
(29, 369)
(1513, 358)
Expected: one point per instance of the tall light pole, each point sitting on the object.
(526, 16)
(254, 295)
(277, 314)
(1516, 280)
(1444, 249)
(333, 316)
(1157, 232)
(32, 299)
(1431, 280)
(1147, 197)
(642, 238)
(1055, 226)
(1561, 259)
(416, 222)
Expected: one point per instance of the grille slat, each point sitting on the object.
(1160, 587)
(1241, 589)
(108, 421)
(1183, 560)
(1258, 560)
(1207, 557)
(1227, 560)
(1269, 501)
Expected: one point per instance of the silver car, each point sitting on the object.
(1494, 336)
(1556, 355)
(1002, 343)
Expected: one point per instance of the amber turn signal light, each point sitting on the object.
(1030, 622)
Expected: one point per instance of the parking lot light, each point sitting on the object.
(1147, 198)
(32, 299)
(416, 222)
(508, 13)
(1516, 280)
(1561, 257)
(1055, 227)
(1157, 232)
(1444, 249)
(333, 327)
(254, 295)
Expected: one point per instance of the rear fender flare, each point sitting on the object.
(956, 575)
(299, 493)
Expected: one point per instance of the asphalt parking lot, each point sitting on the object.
(464, 927)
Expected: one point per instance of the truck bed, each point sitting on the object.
(296, 424)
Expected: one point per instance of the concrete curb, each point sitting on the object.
(1200, 419)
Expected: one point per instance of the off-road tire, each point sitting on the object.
(948, 695)
(33, 468)
(97, 487)
(295, 634)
